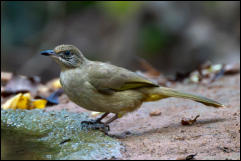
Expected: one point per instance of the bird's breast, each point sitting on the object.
(79, 90)
(76, 86)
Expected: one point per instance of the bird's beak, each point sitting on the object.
(48, 53)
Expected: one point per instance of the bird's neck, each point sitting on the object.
(78, 66)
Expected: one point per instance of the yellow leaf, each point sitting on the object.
(39, 103)
(24, 101)
(12, 102)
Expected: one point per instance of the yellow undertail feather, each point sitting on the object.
(162, 92)
(154, 97)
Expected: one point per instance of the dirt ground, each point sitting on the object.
(215, 134)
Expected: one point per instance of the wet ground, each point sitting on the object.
(56, 135)
(215, 134)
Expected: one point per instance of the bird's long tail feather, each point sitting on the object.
(163, 92)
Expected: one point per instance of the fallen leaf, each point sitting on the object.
(215, 68)
(21, 84)
(155, 113)
(5, 77)
(54, 84)
(12, 102)
(207, 73)
(39, 103)
(232, 68)
(226, 149)
(189, 121)
(189, 157)
(195, 77)
(42, 90)
(24, 101)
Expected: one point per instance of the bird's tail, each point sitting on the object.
(163, 92)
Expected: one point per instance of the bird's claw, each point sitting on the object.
(96, 125)
(91, 122)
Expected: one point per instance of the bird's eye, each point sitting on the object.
(67, 53)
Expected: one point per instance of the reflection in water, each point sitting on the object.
(23, 147)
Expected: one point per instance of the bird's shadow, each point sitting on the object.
(169, 128)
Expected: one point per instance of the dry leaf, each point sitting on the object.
(6, 76)
(232, 68)
(155, 113)
(189, 157)
(24, 101)
(21, 84)
(189, 121)
(195, 77)
(12, 102)
(39, 103)
(54, 84)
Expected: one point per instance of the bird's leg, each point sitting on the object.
(103, 116)
(97, 120)
(111, 119)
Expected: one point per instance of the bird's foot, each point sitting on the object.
(91, 122)
(96, 125)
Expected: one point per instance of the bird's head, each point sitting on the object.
(67, 56)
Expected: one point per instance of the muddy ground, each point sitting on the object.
(215, 134)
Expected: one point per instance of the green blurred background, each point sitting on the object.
(172, 36)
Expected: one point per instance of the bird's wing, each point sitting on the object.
(106, 77)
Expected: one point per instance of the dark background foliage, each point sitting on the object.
(172, 36)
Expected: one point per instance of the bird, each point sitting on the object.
(103, 87)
